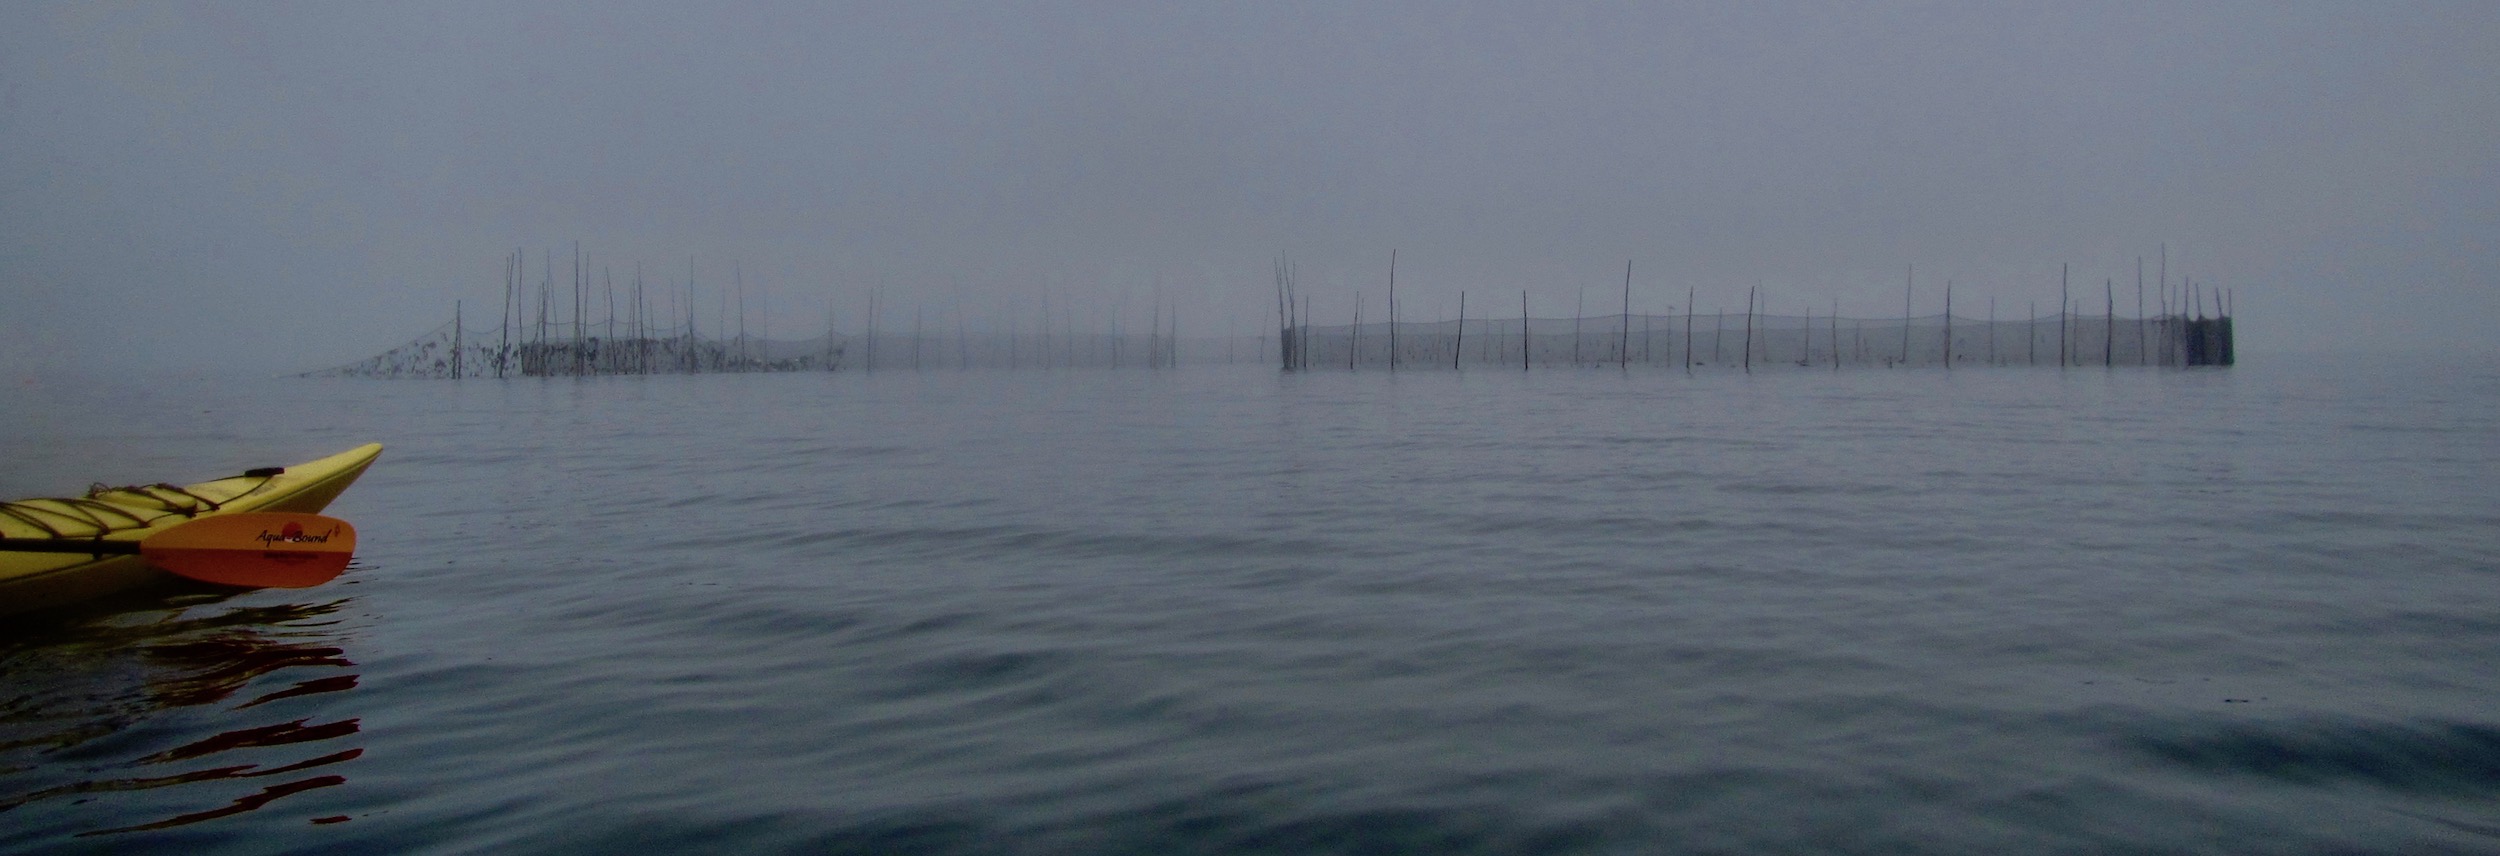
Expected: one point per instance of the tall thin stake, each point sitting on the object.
(740, 275)
(1284, 321)
(2109, 323)
(1749, 329)
(511, 303)
(1623, 349)
(1393, 309)
(1689, 291)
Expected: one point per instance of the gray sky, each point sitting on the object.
(272, 187)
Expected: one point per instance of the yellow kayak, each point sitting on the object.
(31, 581)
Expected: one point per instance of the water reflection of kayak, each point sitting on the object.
(31, 581)
(129, 722)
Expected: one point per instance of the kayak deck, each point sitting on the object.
(30, 581)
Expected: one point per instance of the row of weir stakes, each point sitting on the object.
(558, 343)
(2175, 337)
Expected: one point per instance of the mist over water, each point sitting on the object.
(1219, 609)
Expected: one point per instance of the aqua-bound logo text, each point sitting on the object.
(294, 534)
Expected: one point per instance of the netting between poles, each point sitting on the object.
(449, 352)
(1767, 340)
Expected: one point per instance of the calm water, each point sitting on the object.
(1221, 610)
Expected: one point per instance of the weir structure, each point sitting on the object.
(450, 352)
(2180, 335)
(1760, 341)
(562, 343)
(1730, 341)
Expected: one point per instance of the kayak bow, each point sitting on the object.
(124, 517)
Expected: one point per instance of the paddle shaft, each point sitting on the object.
(89, 546)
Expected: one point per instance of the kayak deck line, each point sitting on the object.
(86, 509)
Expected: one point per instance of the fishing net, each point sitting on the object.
(1769, 340)
(450, 352)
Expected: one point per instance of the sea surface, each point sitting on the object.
(1220, 609)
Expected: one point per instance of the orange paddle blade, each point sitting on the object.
(256, 549)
